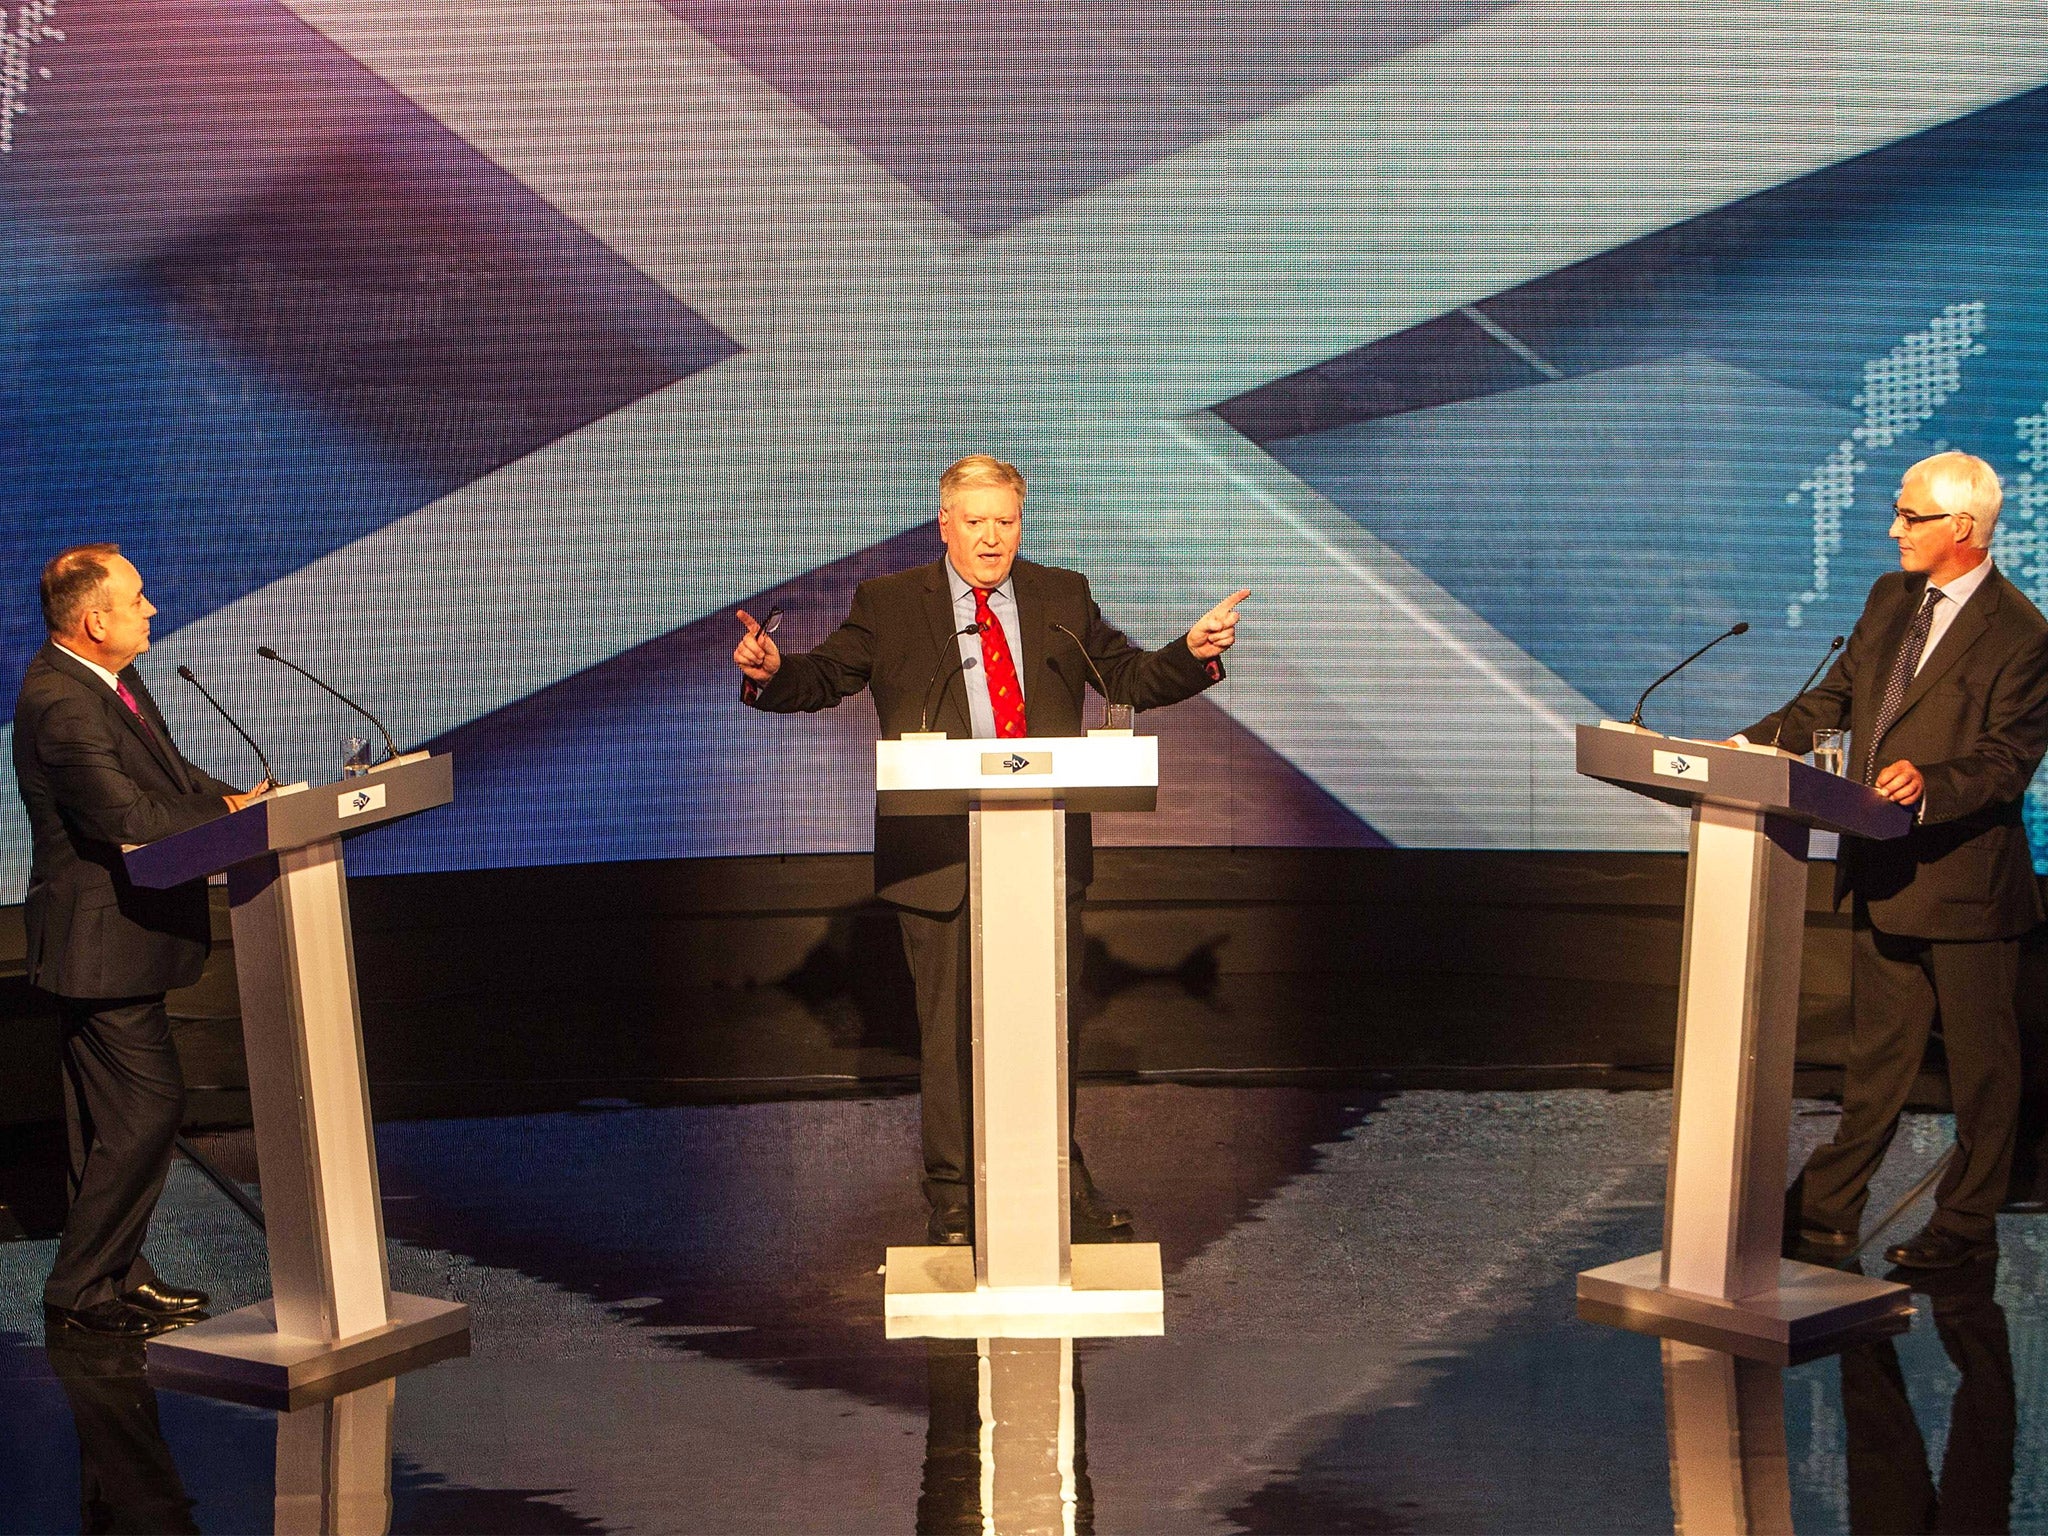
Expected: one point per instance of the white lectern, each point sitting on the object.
(332, 1309)
(1719, 1279)
(1023, 1277)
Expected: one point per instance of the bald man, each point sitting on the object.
(97, 769)
(1944, 688)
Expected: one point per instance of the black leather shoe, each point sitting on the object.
(160, 1299)
(951, 1226)
(1935, 1248)
(108, 1319)
(1093, 1209)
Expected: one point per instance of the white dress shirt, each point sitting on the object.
(1002, 602)
(99, 671)
(1953, 596)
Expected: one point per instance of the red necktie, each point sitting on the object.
(134, 709)
(1003, 690)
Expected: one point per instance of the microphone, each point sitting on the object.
(1093, 671)
(957, 669)
(268, 654)
(1728, 633)
(269, 775)
(1834, 645)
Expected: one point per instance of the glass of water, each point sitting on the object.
(1118, 717)
(355, 756)
(1831, 751)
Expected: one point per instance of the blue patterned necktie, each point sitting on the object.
(1904, 665)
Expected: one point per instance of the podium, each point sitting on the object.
(1719, 1279)
(332, 1311)
(1023, 1277)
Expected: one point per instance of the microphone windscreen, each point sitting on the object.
(266, 653)
(1739, 629)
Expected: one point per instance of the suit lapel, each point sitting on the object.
(945, 629)
(1963, 632)
(1031, 619)
(158, 737)
(110, 701)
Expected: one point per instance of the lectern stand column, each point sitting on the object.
(309, 1094)
(1023, 1277)
(1021, 1136)
(1738, 1024)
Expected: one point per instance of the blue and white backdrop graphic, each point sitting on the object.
(484, 356)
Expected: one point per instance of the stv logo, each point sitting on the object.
(1681, 766)
(361, 801)
(1016, 762)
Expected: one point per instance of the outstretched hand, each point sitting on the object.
(1216, 631)
(756, 655)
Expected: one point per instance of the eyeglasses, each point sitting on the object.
(1915, 519)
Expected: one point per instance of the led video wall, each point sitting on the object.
(484, 357)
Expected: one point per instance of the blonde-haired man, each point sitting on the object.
(978, 643)
(1944, 689)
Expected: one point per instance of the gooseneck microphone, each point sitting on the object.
(1834, 645)
(958, 668)
(1093, 671)
(1727, 634)
(268, 654)
(269, 776)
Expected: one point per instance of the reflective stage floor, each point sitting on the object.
(1369, 1327)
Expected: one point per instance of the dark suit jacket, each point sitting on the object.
(92, 779)
(896, 639)
(1975, 724)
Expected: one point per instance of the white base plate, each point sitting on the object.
(1117, 1291)
(243, 1349)
(1809, 1304)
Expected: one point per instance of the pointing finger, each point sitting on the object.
(753, 624)
(1230, 603)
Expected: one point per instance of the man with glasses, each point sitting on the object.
(1944, 689)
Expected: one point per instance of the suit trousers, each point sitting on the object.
(1898, 987)
(940, 952)
(124, 1098)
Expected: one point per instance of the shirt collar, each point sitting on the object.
(961, 587)
(1963, 588)
(101, 672)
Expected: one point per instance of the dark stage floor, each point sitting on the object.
(677, 1327)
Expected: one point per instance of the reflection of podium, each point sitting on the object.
(1719, 1278)
(1023, 1275)
(332, 1309)
(1725, 1421)
(1006, 1446)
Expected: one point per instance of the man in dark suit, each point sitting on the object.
(972, 645)
(1944, 689)
(97, 769)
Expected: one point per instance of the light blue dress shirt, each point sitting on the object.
(1002, 602)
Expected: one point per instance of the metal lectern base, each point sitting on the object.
(1117, 1292)
(1809, 1305)
(244, 1350)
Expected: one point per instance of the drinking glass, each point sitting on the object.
(1831, 751)
(355, 756)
